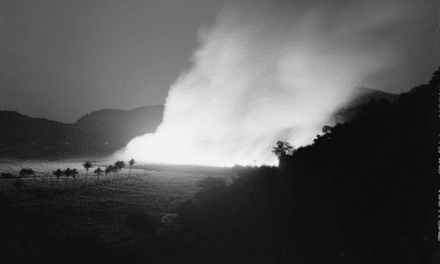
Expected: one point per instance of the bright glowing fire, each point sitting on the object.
(264, 76)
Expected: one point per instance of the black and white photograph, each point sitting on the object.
(220, 131)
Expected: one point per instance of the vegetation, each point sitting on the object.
(374, 178)
(119, 165)
(98, 172)
(26, 172)
(74, 172)
(131, 163)
(87, 165)
(7, 175)
(283, 148)
(58, 173)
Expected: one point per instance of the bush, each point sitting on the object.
(7, 175)
(26, 172)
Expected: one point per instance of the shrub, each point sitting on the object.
(7, 175)
(26, 172)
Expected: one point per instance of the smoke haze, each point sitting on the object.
(263, 74)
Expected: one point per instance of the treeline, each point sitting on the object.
(378, 175)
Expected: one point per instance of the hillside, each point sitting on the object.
(356, 105)
(98, 133)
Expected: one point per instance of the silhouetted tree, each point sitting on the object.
(7, 175)
(26, 172)
(58, 173)
(282, 149)
(131, 163)
(68, 173)
(74, 172)
(119, 165)
(108, 169)
(111, 169)
(87, 165)
(98, 171)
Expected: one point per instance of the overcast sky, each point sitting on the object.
(65, 58)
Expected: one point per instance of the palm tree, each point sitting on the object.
(74, 172)
(68, 173)
(112, 169)
(98, 171)
(131, 163)
(58, 173)
(108, 169)
(119, 165)
(87, 165)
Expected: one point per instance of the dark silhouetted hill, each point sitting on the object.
(375, 177)
(98, 133)
(357, 104)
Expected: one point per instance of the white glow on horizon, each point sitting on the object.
(254, 82)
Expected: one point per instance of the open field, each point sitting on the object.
(48, 212)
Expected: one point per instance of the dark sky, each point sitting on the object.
(65, 58)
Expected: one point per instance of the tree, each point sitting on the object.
(26, 172)
(131, 163)
(283, 149)
(98, 171)
(108, 169)
(7, 175)
(87, 165)
(119, 165)
(68, 173)
(112, 169)
(58, 173)
(74, 172)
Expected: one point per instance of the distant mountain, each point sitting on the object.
(17, 128)
(105, 131)
(98, 133)
(355, 106)
(112, 129)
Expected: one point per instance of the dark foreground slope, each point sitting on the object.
(378, 175)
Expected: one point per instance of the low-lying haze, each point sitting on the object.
(261, 74)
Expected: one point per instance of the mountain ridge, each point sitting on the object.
(104, 131)
(98, 133)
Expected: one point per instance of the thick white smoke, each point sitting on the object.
(259, 77)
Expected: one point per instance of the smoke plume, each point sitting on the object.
(266, 74)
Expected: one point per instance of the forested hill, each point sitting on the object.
(355, 106)
(374, 179)
(98, 133)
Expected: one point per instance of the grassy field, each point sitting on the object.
(48, 212)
